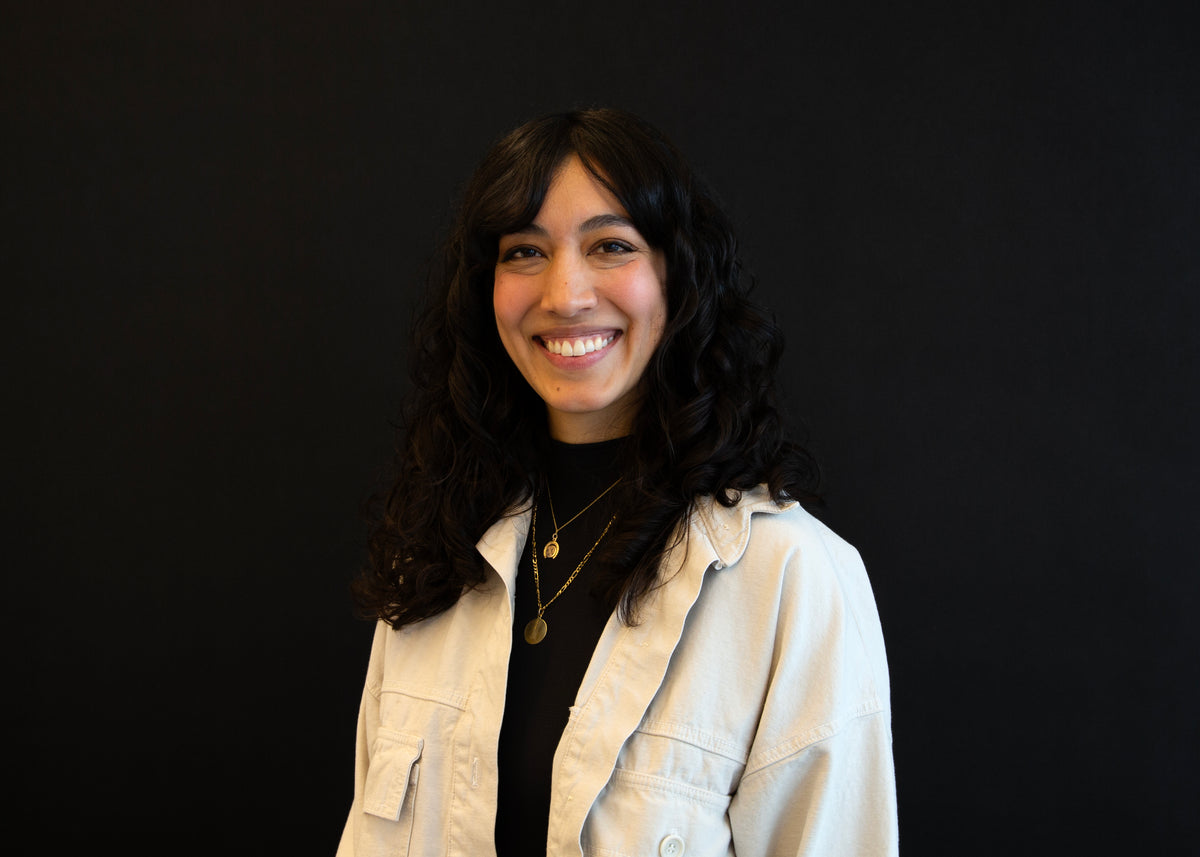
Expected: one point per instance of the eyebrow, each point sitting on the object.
(599, 221)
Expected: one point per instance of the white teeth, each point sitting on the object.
(576, 347)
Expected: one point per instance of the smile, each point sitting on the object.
(578, 346)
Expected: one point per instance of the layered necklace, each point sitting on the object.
(551, 549)
(535, 630)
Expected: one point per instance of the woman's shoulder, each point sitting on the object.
(780, 560)
(763, 546)
(759, 523)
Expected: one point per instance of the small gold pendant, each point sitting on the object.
(550, 551)
(535, 631)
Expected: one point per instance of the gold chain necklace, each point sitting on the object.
(551, 549)
(535, 631)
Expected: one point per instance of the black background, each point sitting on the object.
(977, 225)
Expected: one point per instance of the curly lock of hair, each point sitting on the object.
(472, 430)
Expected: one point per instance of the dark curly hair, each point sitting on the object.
(472, 431)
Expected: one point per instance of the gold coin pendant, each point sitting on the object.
(535, 631)
(551, 549)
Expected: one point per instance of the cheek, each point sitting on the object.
(506, 306)
(646, 301)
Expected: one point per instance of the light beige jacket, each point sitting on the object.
(747, 713)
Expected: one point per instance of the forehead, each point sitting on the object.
(577, 198)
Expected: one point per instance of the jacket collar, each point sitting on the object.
(726, 529)
(502, 544)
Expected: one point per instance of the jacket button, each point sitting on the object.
(671, 846)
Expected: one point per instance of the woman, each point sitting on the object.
(606, 625)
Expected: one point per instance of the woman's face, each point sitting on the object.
(580, 301)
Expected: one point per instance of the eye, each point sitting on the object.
(612, 246)
(521, 251)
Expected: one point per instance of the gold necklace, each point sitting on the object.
(551, 549)
(535, 631)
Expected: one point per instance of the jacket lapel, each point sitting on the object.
(501, 547)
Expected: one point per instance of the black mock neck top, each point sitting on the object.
(543, 679)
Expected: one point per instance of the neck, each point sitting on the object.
(576, 474)
(587, 428)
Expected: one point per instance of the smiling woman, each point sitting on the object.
(580, 306)
(605, 623)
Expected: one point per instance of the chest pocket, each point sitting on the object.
(642, 814)
(390, 791)
(670, 791)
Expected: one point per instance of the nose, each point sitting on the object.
(568, 287)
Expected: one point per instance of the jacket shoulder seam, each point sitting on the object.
(797, 745)
(374, 688)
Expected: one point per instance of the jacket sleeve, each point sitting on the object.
(368, 727)
(820, 778)
(835, 797)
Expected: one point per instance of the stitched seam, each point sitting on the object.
(432, 694)
(604, 852)
(661, 784)
(689, 735)
(794, 746)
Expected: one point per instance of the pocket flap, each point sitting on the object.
(391, 772)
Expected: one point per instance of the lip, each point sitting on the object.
(575, 332)
(582, 361)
